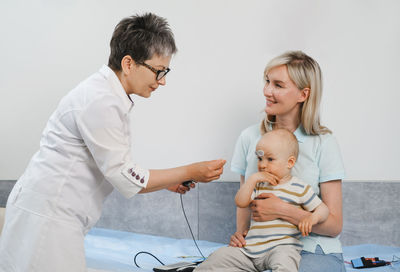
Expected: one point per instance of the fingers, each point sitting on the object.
(234, 242)
(309, 228)
(214, 175)
(255, 214)
(210, 179)
(237, 240)
(218, 168)
(273, 182)
(220, 163)
(257, 218)
(270, 178)
(265, 195)
(305, 227)
(183, 189)
(300, 227)
(209, 170)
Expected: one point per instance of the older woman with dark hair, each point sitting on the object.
(85, 152)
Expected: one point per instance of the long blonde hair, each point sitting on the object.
(305, 73)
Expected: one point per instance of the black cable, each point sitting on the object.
(134, 259)
(191, 232)
(187, 221)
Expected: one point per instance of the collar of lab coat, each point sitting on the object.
(117, 87)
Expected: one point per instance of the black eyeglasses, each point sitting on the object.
(159, 73)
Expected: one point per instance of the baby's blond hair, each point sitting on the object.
(289, 140)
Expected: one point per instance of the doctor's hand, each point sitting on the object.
(207, 171)
(181, 189)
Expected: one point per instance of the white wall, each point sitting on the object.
(215, 87)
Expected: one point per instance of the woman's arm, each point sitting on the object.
(331, 194)
(273, 207)
(202, 172)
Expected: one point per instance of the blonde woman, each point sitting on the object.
(293, 88)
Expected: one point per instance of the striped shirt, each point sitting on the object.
(263, 236)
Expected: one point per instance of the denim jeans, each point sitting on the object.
(319, 261)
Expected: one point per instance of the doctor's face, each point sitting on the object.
(144, 78)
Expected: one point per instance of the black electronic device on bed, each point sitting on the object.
(367, 262)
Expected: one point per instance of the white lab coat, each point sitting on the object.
(84, 153)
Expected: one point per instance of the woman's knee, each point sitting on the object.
(321, 262)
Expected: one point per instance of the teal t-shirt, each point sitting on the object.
(319, 161)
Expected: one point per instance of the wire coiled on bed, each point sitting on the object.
(191, 232)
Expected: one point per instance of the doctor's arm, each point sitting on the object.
(102, 125)
(205, 171)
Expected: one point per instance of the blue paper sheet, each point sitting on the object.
(112, 250)
(115, 250)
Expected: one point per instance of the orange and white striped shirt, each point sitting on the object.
(263, 236)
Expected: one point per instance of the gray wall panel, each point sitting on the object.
(157, 213)
(5, 189)
(371, 212)
(217, 211)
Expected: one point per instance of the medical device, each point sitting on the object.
(368, 262)
(187, 183)
(180, 266)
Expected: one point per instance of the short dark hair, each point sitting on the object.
(141, 37)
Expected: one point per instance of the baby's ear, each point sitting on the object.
(291, 162)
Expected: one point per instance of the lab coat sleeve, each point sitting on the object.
(104, 128)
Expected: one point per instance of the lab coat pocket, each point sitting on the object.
(29, 200)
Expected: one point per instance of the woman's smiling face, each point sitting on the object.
(281, 93)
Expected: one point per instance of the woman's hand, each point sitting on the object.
(181, 189)
(266, 207)
(237, 239)
(207, 171)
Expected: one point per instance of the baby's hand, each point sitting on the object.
(266, 177)
(305, 225)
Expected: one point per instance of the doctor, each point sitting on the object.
(85, 153)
